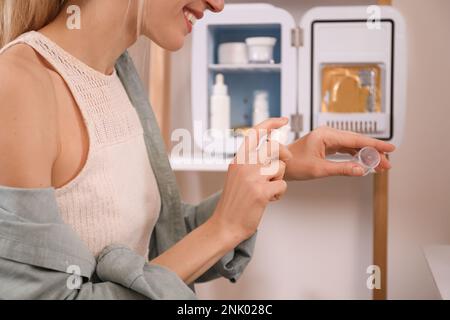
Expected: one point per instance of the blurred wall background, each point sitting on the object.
(317, 242)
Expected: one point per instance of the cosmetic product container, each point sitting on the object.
(233, 53)
(260, 49)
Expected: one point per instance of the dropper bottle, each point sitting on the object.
(220, 107)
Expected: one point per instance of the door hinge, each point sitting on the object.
(297, 37)
(297, 123)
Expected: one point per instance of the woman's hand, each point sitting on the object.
(309, 154)
(248, 189)
(249, 185)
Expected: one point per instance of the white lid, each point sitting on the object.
(220, 88)
(261, 94)
(233, 44)
(261, 41)
(281, 135)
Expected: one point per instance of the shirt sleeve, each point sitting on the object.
(230, 266)
(122, 274)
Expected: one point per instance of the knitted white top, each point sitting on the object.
(115, 198)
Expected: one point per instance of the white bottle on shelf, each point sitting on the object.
(220, 108)
(260, 107)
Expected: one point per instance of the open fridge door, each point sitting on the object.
(353, 70)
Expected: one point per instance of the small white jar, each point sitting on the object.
(260, 49)
(233, 53)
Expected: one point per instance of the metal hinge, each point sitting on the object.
(297, 123)
(297, 37)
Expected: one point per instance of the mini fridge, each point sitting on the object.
(343, 67)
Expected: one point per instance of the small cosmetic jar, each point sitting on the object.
(233, 53)
(260, 49)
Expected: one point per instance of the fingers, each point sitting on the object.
(272, 123)
(276, 189)
(349, 142)
(349, 169)
(252, 138)
(349, 151)
(360, 141)
(273, 150)
(384, 164)
(273, 157)
(252, 143)
(263, 128)
(345, 139)
(274, 171)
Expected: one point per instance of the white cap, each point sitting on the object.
(219, 87)
(281, 135)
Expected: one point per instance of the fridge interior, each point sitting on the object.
(244, 79)
(351, 77)
(339, 74)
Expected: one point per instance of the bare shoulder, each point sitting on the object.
(28, 121)
(23, 76)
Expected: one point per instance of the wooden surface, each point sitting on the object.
(380, 222)
(159, 88)
(380, 230)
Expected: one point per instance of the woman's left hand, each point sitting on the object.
(309, 154)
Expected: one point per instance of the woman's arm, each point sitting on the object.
(231, 265)
(239, 211)
(199, 250)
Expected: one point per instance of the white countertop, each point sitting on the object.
(438, 258)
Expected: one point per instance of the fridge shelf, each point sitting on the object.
(254, 67)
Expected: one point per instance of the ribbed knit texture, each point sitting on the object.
(115, 198)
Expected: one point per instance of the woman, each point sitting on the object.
(83, 212)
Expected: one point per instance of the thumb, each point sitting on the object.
(272, 123)
(349, 169)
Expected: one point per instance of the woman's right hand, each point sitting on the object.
(249, 187)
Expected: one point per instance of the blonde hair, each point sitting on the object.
(19, 16)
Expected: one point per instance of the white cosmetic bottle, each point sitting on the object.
(220, 108)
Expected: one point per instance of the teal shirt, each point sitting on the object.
(43, 258)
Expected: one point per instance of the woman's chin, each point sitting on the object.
(174, 44)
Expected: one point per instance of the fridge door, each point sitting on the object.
(236, 23)
(353, 70)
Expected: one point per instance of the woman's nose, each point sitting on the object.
(215, 5)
